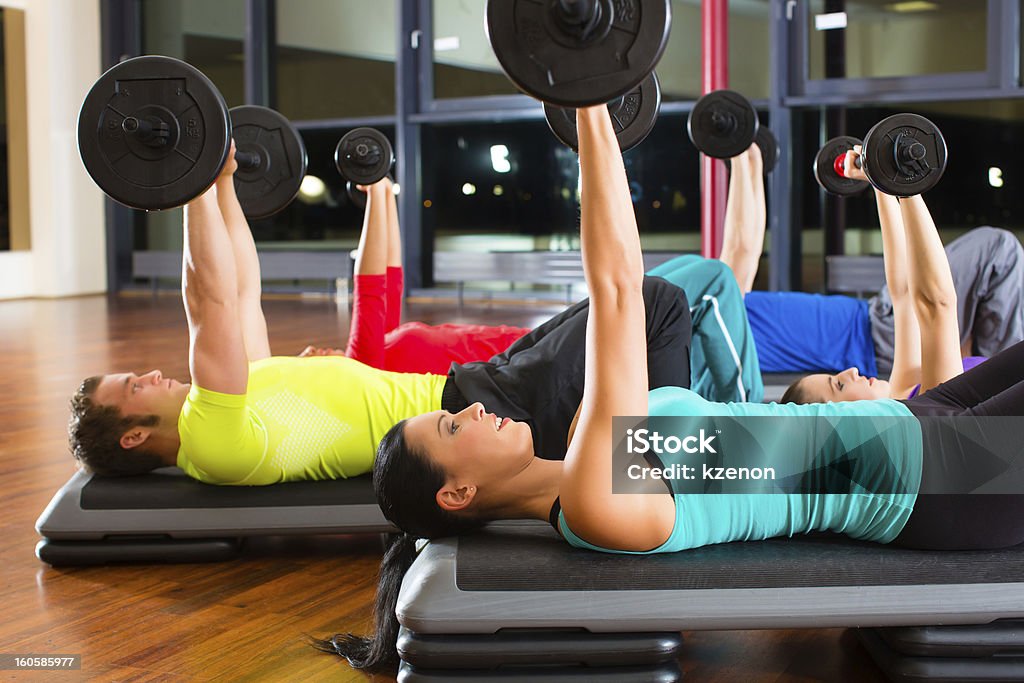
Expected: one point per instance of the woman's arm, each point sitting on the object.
(934, 296)
(394, 233)
(372, 257)
(367, 328)
(906, 364)
(743, 237)
(615, 382)
(395, 279)
(906, 360)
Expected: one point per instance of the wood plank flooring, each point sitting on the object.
(242, 620)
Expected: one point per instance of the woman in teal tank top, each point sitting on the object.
(852, 468)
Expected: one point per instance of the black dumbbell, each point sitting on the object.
(578, 53)
(769, 147)
(633, 116)
(271, 160)
(722, 124)
(902, 155)
(829, 167)
(154, 133)
(363, 156)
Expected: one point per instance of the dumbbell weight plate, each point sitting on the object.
(356, 196)
(364, 156)
(898, 178)
(545, 60)
(633, 116)
(269, 187)
(825, 171)
(769, 147)
(154, 89)
(722, 124)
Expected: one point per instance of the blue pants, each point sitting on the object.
(723, 360)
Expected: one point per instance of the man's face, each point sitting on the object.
(148, 394)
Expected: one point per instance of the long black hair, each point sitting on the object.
(406, 483)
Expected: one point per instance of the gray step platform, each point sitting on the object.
(902, 668)
(522, 648)
(1003, 638)
(527, 577)
(147, 551)
(658, 673)
(110, 519)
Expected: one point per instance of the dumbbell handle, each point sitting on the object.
(248, 160)
(840, 164)
(365, 154)
(577, 11)
(579, 16)
(151, 132)
(909, 151)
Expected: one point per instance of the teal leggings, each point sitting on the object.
(723, 360)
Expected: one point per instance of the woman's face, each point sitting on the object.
(847, 385)
(474, 447)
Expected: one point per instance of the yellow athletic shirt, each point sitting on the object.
(301, 418)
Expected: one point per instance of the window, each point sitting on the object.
(887, 38)
(749, 37)
(335, 59)
(982, 184)
(207, 35)
(513, 187)
(464, 64)
(322, 216)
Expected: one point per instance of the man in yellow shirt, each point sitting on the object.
(249, 418)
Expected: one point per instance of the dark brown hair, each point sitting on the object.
(94, 435)
(797, 393)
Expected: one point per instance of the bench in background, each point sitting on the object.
(328, 266)
(563, 268)
(858, 275)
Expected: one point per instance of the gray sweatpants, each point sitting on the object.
(988, 274)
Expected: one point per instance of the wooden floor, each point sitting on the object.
(244, 619)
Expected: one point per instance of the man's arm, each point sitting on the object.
(209, 284)
(247, 266)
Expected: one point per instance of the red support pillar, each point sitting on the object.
(714, 76)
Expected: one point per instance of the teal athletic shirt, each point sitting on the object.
(704, 519)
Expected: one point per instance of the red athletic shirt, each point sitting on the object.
(376, 338)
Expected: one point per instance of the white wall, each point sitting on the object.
(68, 255)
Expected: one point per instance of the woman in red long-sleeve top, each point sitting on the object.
(375, 336)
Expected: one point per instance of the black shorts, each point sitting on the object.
(962, 521)
(539, 378)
